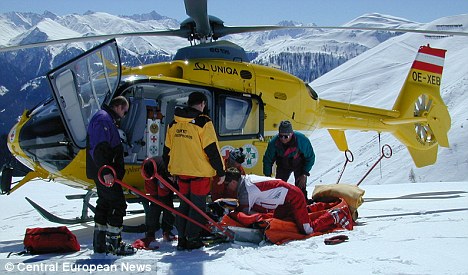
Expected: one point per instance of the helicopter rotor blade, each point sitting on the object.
(179, 33)
(220, 32)
(198, 11)
(227, 30)
(395, 30)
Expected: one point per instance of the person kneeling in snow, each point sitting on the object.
(233, 158)
(286, 201)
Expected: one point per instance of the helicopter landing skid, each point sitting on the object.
(84, 213)
(56, 219)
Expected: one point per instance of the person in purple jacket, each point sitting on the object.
(104, 147)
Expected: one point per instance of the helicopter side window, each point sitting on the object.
(238, 116)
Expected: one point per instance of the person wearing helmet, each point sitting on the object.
(233, 158)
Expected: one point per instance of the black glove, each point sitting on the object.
(221, 207)
(217, 211)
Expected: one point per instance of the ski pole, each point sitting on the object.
(223, 230)
(349, 158)
(138, 192)
(386, 155)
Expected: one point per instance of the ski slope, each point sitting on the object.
(406, 228)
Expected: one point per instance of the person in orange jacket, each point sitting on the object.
(191, 153)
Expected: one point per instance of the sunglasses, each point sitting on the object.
(284, 136)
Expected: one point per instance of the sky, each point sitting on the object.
(258, 12)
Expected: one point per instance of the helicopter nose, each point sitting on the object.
(43, 138)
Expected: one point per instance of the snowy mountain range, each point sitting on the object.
(304, 53)
(375, 78)
(307, 54)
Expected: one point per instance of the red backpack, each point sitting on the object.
(50, 240)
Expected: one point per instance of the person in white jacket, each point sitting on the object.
(259, 194)
(265, 194)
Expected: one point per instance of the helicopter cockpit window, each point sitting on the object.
(43, 139)
(238, 116)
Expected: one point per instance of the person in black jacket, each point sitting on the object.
(105, 148)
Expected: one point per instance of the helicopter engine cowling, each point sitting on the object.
(214, 50)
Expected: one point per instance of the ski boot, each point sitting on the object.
(168, 236)
(194, 243)
(115, 245)
(189, 243)
(181, 243)
(149, 238)
(99, 240)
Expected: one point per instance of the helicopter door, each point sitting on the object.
(81, 86)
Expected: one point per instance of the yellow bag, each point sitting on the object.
(350, 193)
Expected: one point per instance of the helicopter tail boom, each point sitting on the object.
(419, 118)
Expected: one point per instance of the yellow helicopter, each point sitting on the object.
(246, 103)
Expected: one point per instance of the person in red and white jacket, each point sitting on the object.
(265, 194)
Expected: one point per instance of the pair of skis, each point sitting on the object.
(213, 227)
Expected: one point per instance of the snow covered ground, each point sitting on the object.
(407, 228)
